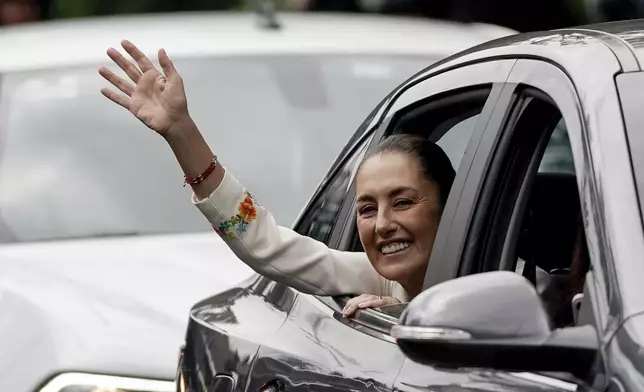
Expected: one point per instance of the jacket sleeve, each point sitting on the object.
(280, 253)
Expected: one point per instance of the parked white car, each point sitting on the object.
(102, 254)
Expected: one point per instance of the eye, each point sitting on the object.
(402, 203)
(366, 210)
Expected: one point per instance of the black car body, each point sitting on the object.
(509, 209)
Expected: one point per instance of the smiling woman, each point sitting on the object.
(401, 190)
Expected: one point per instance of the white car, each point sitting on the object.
(102, 255)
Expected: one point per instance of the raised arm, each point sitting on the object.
(159, 101)
(280, 253)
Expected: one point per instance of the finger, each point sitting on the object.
(166, 64)
(117, 81)
(130, 69)
(144, 63)
(350, 310)
(162, 83)
(352, 305)
(374, 303)
(349, 304)
(117, 98)
(147, 81)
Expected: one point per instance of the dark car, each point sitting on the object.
(546, 133)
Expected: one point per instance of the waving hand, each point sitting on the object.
(156, 98)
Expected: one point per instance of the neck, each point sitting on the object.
(414, 286)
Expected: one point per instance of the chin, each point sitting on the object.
(396, 272)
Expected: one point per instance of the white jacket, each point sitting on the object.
(285, 256)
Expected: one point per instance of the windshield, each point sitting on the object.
(73, 164)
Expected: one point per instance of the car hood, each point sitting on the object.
(115, 306)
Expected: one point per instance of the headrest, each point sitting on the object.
(551, 223)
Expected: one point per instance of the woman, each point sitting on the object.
(401, 189)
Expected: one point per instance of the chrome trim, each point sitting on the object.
(373, 319)
(65, 380)
(545, 380)
(406, 332)
(219, 377)
(364, 328)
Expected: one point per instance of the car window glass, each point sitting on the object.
(75, 165)
(323, 213)
(552, 245)
(455, 140)
(558, 155)
(538, 233)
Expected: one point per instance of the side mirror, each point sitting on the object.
(491, 320)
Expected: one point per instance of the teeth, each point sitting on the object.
(395, 247)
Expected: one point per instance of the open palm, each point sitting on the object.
(157, 99)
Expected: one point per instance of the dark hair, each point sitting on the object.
(434, 163)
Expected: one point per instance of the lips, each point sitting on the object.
(394, 247)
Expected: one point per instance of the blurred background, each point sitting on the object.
(518, 15)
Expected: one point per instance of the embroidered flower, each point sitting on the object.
(219, 232)
(247, 209)
(246, 213)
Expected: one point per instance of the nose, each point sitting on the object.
(385, 225)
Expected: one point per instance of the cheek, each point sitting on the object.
(366, 231)
(420, 224)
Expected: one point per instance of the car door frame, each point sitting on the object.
(491, 73)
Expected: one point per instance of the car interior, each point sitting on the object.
(547, 241)
(551, 250)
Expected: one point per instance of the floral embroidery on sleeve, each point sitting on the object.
(246, 213)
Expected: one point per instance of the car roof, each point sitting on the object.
(574, 49)
(631, 32)
(579, 51)
(196, 34)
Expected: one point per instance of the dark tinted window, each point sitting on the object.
(322, 214)
(75, 165)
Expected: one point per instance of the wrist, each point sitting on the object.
(182, 129)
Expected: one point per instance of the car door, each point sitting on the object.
(534, 208)
(317, 349)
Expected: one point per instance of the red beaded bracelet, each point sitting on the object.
(202, 176)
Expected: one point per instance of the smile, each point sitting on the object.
(394, 247)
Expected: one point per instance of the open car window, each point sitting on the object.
(449, 125)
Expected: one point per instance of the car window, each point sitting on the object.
(323, 212)
(451, 128)
(75, 165)
(456, 139)
(557, 157)
(553, 246)
(531, 212)
(456, 130)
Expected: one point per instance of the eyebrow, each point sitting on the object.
(393, 192)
